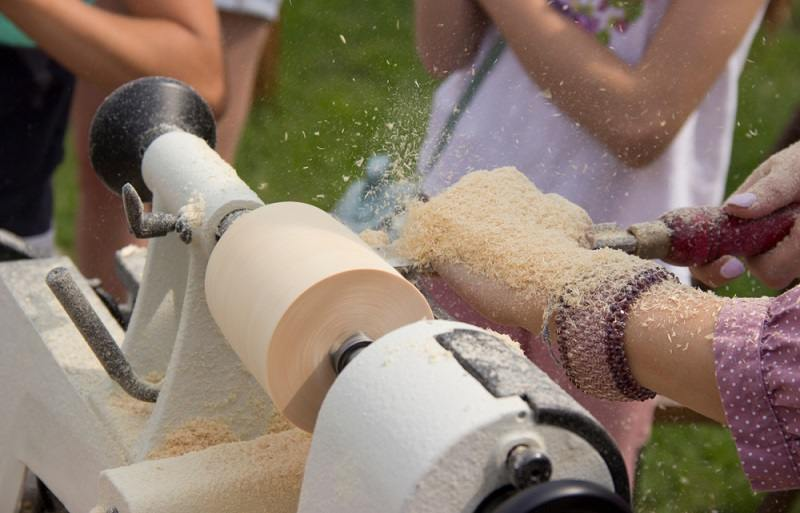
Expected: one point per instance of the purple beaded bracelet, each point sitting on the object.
(590, 338)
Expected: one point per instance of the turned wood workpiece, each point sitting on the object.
(286, 284)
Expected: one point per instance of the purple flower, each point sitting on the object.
(588, 23)
(584, 14)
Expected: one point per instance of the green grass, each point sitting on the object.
(350, 86)
(692, 468)
(340, 101)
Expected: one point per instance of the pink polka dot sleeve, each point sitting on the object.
(757, 358)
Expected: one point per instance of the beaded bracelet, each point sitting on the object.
(590, 338)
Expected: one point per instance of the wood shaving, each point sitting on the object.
(375, 238)
(499, 225)
(263, 475)
(507, 340)
(195, 435)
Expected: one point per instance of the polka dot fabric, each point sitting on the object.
(757, 359)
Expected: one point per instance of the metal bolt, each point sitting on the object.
(528, 467)
(228, 220)
(345, 353)
(183, 229)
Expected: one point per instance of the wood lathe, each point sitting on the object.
(244, 309)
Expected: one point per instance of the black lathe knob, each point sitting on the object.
(561, 496)
(135, 115)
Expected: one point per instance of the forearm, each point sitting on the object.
(448, 33)
(109, 49)
(669, 346)
(733, 360)
(637, 110)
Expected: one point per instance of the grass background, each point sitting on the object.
(350, 86)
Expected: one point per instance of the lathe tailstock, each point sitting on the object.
(239, 302)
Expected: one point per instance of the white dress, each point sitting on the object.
(510, 121)
(267, 9)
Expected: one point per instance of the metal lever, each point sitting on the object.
(146, 225)
(97, 336)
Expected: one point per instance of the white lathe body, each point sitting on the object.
(434, 416)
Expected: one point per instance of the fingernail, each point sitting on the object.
(744, 200)
(733, 268)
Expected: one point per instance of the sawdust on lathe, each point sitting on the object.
(507, 340)
(263, 475)
(498, 224)
(122, 401)
(375, 238)
(281, 458)
(195, 435)
(154, 377)
(277, 423)
(194, 211)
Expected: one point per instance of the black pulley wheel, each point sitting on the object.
(135, 115)
(562, 496)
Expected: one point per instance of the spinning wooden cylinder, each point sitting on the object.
(287, 284)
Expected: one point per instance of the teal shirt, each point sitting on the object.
(10, 35)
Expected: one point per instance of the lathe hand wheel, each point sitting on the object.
(562, 496)
(134, 116)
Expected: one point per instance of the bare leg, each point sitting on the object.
(101, 227)
(267, 76)
(779, 12)
(243, 40)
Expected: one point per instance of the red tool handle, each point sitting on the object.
(702, 234)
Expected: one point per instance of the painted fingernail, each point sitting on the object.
(744, 200)
(733, 268)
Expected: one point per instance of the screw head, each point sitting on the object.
(528, 467)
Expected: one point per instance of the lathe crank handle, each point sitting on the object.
(145, 225)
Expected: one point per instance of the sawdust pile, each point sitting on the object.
(265, 475)
(269, 469)
(277, 423)
(122, 401)
(195, 435)
(281, 459)
(498, 224)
